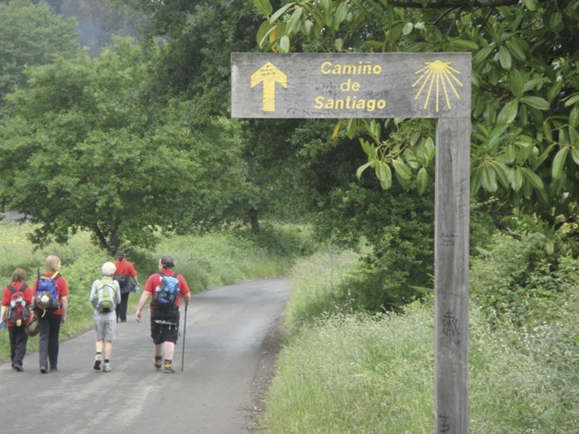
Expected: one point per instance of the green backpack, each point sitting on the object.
(105, 295)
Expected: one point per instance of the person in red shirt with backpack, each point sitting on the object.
(125, 272)
(16, 301)
(164, 310)
(50, 318)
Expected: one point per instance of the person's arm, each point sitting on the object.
(92, 295)
(142, 301)
(64, 308)
(187, 298)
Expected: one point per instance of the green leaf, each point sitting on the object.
(384, 174)
(463, 44)
(280, 12)
(482, 54)
(555, 20)
(515, 49)
(575, 153)
(517, 179)
(264, 7)
(559, 163)
(422, 181)
(536, 102)
(340, 14)
(574, 117)
(573, 99)
(402, 169)
(489, 179)
(533, 178)
(383, 171)
(284, 44)
(505, 57)
(530, 4)
(338, 43)
(294, 23)
(509, 112)
(429, 148)
(362, 168)
(475, 181)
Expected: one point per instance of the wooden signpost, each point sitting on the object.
(392, 85)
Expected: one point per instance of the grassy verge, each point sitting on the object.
(375, 374)
(208, 261)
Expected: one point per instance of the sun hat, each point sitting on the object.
(32, 328)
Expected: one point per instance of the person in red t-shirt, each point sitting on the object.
(164, 320)
(125, 271)
(16, 332)
(49, 322)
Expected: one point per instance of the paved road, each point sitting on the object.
(224, 359)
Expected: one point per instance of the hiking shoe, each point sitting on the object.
(97, 362)
(169, 368)
(107, 367)
(43, 370)
(158, 363)
(17, 367)
(53, 369)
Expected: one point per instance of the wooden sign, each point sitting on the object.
(392, 85)
(375, 85)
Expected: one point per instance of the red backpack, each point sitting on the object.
(18, 310)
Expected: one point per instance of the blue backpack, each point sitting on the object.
(46, 297)
(166, 293)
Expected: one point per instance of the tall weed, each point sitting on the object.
(375, 374)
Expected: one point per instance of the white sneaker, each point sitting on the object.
(107, 367)
(97, 362)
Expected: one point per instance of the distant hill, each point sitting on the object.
(98, 21)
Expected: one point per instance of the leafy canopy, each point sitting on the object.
(525, 102)
(86, 147)
(30, 35)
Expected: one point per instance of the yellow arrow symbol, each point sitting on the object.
(269, 74)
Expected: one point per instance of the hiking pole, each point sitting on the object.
(184, 331)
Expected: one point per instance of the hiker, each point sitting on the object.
(105, 295)
(16, 302)
(166, 289)
(125, 271)
(50, 303)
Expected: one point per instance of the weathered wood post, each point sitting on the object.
(451, 252)
(391, 85)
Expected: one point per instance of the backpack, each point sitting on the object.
(105, 295)
(166, 293)
(46, 296)
(123, 280)
(18, 311)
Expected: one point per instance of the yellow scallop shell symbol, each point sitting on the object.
(439, 78)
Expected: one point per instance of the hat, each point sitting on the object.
(32, 328)
(121, 253)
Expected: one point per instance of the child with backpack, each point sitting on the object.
(16, 302)
(105, 295)
(51, 304)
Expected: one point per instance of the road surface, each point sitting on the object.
(225, 359)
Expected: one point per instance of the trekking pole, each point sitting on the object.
(184, 331)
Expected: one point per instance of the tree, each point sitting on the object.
(525, 103)
(30, 35)
(87, 147)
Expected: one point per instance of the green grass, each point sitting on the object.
(205, 261)
(343, 374)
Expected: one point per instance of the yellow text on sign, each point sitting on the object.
(269, 74)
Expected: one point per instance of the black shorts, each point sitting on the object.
(165, 325)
